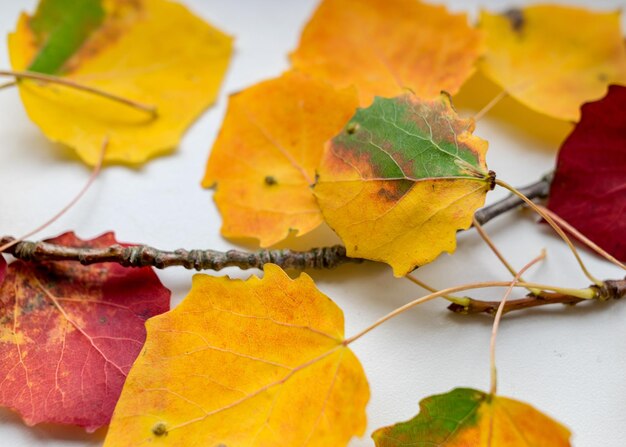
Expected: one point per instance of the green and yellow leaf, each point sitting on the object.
(470, 418)
(154, 52)
(401, 179)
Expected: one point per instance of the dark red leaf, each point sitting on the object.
(589, 188)
(70, 333)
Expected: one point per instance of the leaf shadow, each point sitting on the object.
(45, 432)
(522, 122)
(49, 152)
(321, 236)
(350, 272)
(42, 149)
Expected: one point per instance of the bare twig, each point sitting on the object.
(144, 256)
(610, 290)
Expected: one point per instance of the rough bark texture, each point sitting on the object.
(146, 256)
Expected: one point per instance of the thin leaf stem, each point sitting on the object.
(453, 299)
(536, 190)
(150, 109)
(588, 293)
(485, 237)
(556, 228)
(584, 239)
(490, 105)
(7, 85)
(66, 208)
(496, 322)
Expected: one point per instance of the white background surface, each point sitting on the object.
(568, 362)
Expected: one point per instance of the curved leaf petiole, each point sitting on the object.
(556, 228)
(150, 109)
(589, 293)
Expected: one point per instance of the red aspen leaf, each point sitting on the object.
(386, 47)
(589, 186)
(240, 363)
(401, 179)
(264, 159)
(554, 58)
(70, 333)
(470, 418)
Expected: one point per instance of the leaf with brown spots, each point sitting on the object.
(69, 335)
(401, 179)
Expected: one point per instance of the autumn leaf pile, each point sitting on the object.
(361, 137)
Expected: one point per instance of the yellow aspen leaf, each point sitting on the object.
(118, 47)
(257, 362)
(263, 161)
(513, 114)
(465, 417)
(386, 47)
(401, 179)
(554, 58)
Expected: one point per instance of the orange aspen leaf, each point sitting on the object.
(264, 159)
(386, 47)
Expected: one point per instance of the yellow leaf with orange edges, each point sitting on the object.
(465, 417)
(386, 47)
(155, 52)
(554, 58)
(257, 362)
(401, 179)
(264, 159)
